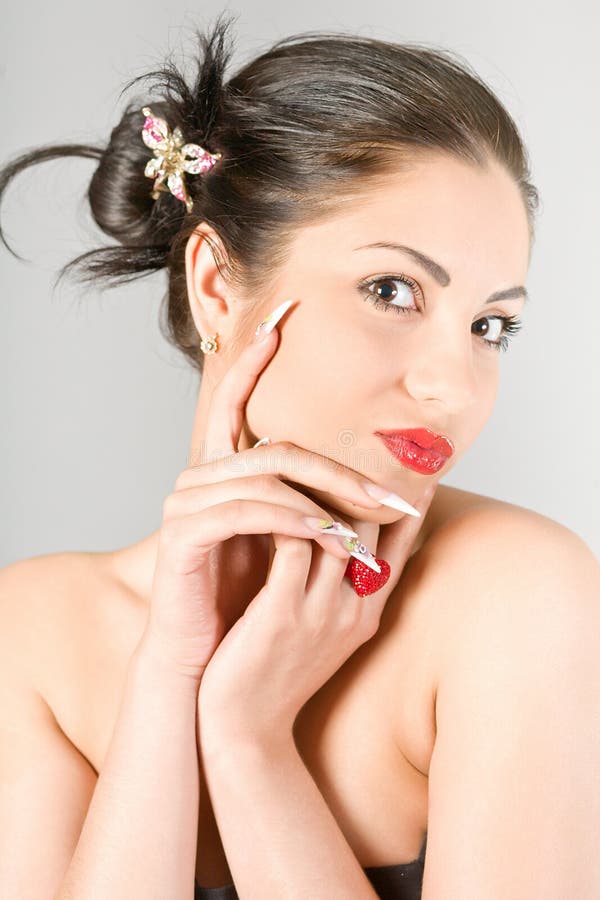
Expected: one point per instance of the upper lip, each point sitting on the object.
(425, 438)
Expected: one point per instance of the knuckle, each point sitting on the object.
(231, 510)
(350, 616)
(371, 618)
(336, 467)
(294, 548)
(288, 457)
(285, 446)
(298, 548)
(168, 506)
(266, 482)
(183, 480)
(170, 534)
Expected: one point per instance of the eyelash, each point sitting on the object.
(511, 324)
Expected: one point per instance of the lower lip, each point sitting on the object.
(427, 462)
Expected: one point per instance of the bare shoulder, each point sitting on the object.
(454, 511)
(489, 565)
(512, 614)
(465, 521)
(37, 600)
(65, 621)
(485, 571)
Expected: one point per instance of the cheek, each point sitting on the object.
(486, 400)
(309, 392)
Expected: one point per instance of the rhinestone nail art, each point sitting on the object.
(327, 526)
(361, 552)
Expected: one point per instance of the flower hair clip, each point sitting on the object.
(169, 161)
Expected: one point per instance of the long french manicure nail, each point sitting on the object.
(327, 526)
(358, 550)
(267, 325)
(388, 498)
(265, 440)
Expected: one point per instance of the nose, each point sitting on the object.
(441, 369)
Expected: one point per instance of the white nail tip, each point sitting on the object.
(267, 325)
(262, 441)
(397, 502)
(392, 500)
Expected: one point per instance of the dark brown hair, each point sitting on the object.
(317, 117)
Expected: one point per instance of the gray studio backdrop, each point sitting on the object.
(96, 408)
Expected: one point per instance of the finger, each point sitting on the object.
(297, 465)
(290, 566)
(266, 489)
(192, 536)
(393, 543)
(305, 576)
(394, 546)
(326, 601)
(368, 533)
(326, 572)
(228, 401)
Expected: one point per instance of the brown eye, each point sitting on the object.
(383, 294)
(509, 325)
(390, 292)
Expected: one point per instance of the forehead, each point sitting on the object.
(471, 220)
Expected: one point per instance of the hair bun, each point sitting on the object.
(120, 193)
(300, 127)
(194, 110)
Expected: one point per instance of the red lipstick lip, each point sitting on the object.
(418, 448)
(425, 438)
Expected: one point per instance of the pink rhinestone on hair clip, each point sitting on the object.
(169, 162)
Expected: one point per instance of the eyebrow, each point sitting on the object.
(439, 273)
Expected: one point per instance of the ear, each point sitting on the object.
(207, 291)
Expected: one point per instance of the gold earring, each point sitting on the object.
(209, 345)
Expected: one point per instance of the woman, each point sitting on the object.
(239, 698)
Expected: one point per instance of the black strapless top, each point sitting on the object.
(395, 882)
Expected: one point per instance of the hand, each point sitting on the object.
(211, 544)
(295, 634)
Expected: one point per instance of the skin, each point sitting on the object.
(344, 368)
(437, 373)
(444, 377)
(370, 367)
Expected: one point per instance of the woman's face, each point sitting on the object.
(345, 368)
